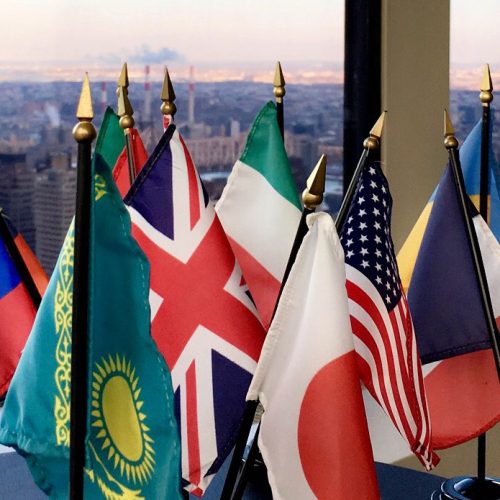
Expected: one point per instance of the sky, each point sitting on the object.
(219, 37)
(203, 32)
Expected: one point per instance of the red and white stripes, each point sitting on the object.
(389, 362)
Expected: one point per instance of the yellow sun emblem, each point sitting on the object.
(118, 423)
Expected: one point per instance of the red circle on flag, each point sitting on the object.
(334, 446)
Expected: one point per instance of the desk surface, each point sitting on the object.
(396, 483)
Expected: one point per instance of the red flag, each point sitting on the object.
(121, 173)
(17, 314)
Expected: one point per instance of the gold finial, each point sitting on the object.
(122, 80)
(168, 96)
(279, 84)
(313, 194)
(84, 131)
(372, 142)
(486, 88)
(450, 141)
(125, 110)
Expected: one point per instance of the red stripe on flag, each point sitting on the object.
(17, 314)
(359, 296)
(469, 380)
(263, 286)
(192, 425)
(366, 337)
(32, 263)
(194, 192)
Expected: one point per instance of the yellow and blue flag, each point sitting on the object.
(132, 442)
(446, 308)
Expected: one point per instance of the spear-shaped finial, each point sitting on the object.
(313, 194)
(486, 95)
(373, 140)
(84, 130)
(123, 79)
(125, 110)
(168, 106)
(450, 141)
(279, 83)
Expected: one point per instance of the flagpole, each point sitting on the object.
(486, 96)
(279, 92)
(370, 145)
(84, 133)
(312, 197)
(127, 121)
(18, 260)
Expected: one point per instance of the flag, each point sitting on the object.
(17, 313)
(132, 445)
(314, 436)
(381, 323)
(470, 158)
(32, 263)
(121, 173)
(444, 270)
(260, 211)
(449, 320)
(203, 319)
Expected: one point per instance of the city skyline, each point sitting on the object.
(225, 40)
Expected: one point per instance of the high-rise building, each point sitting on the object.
(54, 207)
(16, 193)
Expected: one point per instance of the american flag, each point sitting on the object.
(203, 319)
(380, 319)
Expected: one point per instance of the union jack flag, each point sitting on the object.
(203, 319)
(380, 319)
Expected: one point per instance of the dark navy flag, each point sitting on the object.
(444, 294)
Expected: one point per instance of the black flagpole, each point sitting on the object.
(486, 96)
(468, 487)
(251, 406)
(19, 263)
(370, 146)
(451, 145)
(312, 197)
(279, 92)
(84, 133)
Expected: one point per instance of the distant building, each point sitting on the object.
(55, 191)
(216, 153)
(16, 193)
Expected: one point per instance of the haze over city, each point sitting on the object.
(225, 40)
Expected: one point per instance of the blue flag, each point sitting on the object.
(444, 294)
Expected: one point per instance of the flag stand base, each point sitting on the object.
(468, 488)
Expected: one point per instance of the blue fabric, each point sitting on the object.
(444, 295)
(151, 193)
(9, 277)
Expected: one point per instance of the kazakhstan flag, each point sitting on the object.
(133, 449)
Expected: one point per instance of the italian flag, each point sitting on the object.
(260, 211)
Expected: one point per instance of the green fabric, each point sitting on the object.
(265, 152)
(133, 448)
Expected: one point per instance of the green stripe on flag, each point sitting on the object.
(266, 153)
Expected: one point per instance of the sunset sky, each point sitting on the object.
(218, 36)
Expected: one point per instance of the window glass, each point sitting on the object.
(221, 55)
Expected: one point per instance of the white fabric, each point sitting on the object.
(310, 329)
(258, 218)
